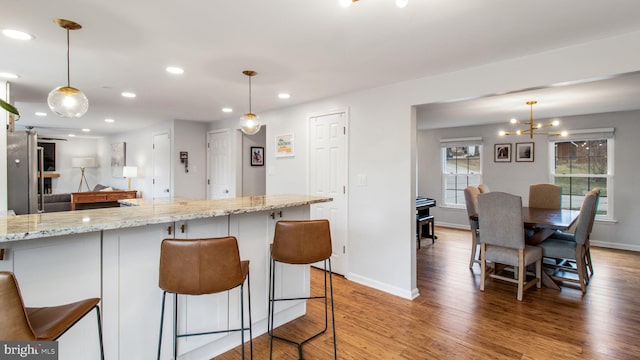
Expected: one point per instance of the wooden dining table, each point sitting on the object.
(545, 222)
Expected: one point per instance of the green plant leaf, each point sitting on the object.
(10, 108)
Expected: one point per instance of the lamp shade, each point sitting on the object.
(130, 171)
(83, 162)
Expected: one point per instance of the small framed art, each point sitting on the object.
(257, 156)
(502, 153)
(524, 152)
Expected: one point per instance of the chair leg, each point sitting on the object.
(521, 273)
(483, 264)
(164, 296)
(175, 326)
(474, 244)
(539, 273)
(250, 321)
(587, 254)
(333, 316)
(580, 268)
(270, 309)
(100, 332)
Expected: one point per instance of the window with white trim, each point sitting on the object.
(461, 167)
(581, 163)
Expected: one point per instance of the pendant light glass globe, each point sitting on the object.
(68, 102)
(402, 3)
(249, 124)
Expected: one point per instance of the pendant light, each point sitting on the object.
(68, 101)
(249, 122)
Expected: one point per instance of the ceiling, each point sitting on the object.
(311, 49)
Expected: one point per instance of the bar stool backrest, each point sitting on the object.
(15, 324)
(200, 266)
(301, 241)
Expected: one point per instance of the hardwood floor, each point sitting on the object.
(453, 319)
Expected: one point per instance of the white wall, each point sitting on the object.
(69, 179)
(138, 153)
(253, 177)
(516, 177)
(189, 136)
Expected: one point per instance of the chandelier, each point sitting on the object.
(249, 122)
(399, 3)
(533, 129)
(68, 101)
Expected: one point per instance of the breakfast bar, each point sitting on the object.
(113, 253)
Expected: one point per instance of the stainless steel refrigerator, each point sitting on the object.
(22, 172)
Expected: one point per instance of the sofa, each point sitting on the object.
(56, 202)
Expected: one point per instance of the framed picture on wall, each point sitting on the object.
(502, 153)
(257, 156)
(524, 152)
(118, 159)
(284, 145)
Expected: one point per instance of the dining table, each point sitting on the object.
(544, 222)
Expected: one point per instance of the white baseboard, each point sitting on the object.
(612, 245)
(393, 290)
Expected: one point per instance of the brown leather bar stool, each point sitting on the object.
(301, 242)
(198, 267)
(20, 323)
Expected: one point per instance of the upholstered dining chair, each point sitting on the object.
(483, 188)
(471, 199)
(20, 323)
(572, 250)
(200, 267)
(500, 218)
(545, 196)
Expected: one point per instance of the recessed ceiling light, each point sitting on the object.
(16, 34)
(128, 94)
(109, 120)
(86, 130)
(72, 135)
(174, 70)
(227, 110)
(7, 75)
(40, 113)
(284, 96)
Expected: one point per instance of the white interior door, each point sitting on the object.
(161, 165)
(328, 177)
(219, 182)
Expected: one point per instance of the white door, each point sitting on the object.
(328, 177)
(161, 165)
(219, 182)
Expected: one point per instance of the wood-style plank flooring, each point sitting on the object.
(452, 319)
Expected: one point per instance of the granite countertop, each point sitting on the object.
(141, 212)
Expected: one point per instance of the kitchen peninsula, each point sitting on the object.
(113, 253)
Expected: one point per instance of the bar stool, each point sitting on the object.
(198, 267)
(424, 220)
(301, 242)
(20, 323)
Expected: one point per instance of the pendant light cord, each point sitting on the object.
(68, 71)
(250, 95)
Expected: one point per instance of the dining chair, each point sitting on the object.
(571, 251)
(483, 188)
(500, 218)
(471, 199)
(20, 323)
(545, 196)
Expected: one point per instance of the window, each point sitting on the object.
(461, 167)
(583, 164)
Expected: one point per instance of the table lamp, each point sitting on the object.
(129, 172)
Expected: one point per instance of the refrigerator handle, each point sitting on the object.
(41, 178)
